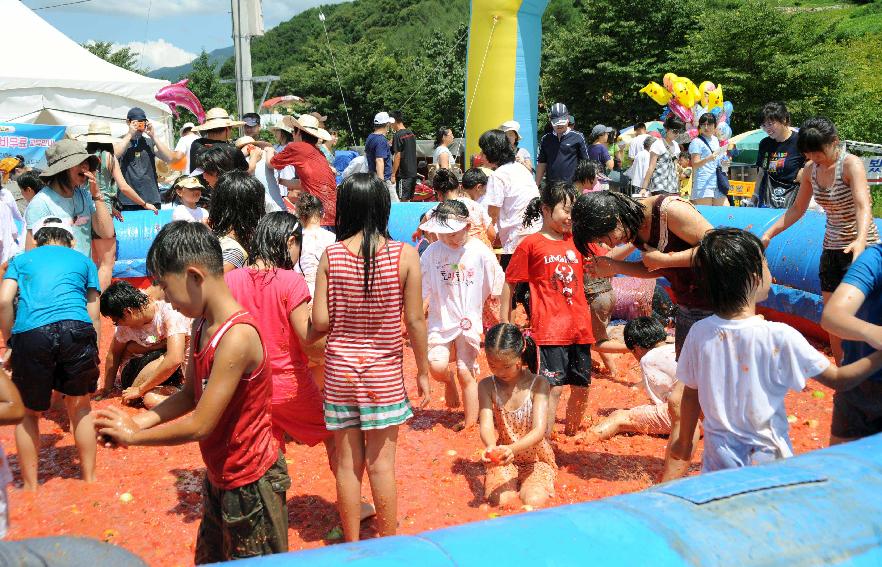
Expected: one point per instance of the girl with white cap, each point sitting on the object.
(512, 129)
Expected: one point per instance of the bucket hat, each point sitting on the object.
(65, 154)
(98, 132)
(217, 118)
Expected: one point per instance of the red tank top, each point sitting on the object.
(241, 448)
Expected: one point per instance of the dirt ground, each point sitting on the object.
(159, 522)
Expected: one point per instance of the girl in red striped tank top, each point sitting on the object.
(364, 283)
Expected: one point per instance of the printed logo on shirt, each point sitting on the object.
(456, 273)
(568, 258)
(776, 161)
(562, 280)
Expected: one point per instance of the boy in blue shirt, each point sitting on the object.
(853, 313)
(53, 337)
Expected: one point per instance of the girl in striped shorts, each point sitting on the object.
(364, 282)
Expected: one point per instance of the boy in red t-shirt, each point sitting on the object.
(226, 396)
(559, 319)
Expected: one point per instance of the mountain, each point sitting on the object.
(217, 58)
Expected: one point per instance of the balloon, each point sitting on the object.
(657, 93)
(684, 113)
(655, 134)
(725, 131)
(728, 109)
(715, 97)
(694, 95)
(682, 94)
(717, 112)
(665, 113)
(693, 133)
(177, 94)
(697, 112)
(668, 81)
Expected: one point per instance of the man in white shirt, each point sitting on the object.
(183, 147)
(636, 145)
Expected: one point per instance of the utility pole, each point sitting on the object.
(242, 29)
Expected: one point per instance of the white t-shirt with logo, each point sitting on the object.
(511, 188)
(742, 370)
(457, 282)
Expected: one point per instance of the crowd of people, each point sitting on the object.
(279, 297)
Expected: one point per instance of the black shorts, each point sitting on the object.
(136, 364)
(406, 187)
(833, 266)
(857, 412)
(59, 356)
(565, 365)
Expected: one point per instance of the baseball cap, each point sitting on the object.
(251, 119)
(136, 114)
(382, 118)
(600, 129)
(52, 222)
(186, 126)
(559, 114)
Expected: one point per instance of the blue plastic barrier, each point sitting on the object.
(821, 508)
(139, 228)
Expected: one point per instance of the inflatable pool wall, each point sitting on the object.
(793, 256)
(821, 508)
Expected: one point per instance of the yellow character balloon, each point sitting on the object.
(657, 93)
(682, 93)
(668, 81)
(715, 98)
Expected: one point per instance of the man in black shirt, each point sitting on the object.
(561, 149)
(404, 163)
(137, 155)
(778, 159)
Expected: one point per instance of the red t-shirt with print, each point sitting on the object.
(558, 310)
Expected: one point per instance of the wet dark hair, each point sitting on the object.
(94, 147)
(445, 182)
(440, 133)
(363, 205)
(473, 177)
(450, 208)
(816, 133)
(308, 206)
(729, 267)
(597, 214)
(640, 126)
(397, 116)
(119, 296)
(53, 234)
(270, 242)
(644, 332)
(496, 147)
(549, 196)
(237, 205)
(310, 139)
(30, 180)
(181, 244)
(775, 112)
(218, 159)
(707, 118)
(287, 136)
(508, 338)
(673, 122)
(586, 170)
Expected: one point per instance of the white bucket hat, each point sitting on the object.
(98, 132)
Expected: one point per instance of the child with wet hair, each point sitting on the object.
(586, 177)
(518, 459)
(736, 366)
(549, 262)
(149, 345)
(459, 275)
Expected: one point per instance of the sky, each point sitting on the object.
(165, 33)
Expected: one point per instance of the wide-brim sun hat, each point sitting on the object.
(65, 154)
(98, 132)
(244, 141)
(217, 118)
(453, 223)
(309, 124)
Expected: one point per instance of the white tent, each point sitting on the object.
(56, 81)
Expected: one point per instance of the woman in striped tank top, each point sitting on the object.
(838, 182)
(364, 282)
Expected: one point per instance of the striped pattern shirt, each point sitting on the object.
(838, 202)
(364, 355)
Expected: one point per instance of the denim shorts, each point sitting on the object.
(59, 356)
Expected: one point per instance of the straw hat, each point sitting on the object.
(217, 118)
(244, 141)
(308, 123)
(98, 132)
(65, 154)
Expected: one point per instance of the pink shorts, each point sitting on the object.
(301, 416)
(651, 419)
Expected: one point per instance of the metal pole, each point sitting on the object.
(242, 49)
(237, 54)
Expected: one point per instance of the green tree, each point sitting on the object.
(122, 57)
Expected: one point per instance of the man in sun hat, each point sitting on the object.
(72, 195)
(561, 149)
(217, 129)
(314, 173)
(137, 155)
(378, 154)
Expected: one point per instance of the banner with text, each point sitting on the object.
(874, 169)
(29, 141)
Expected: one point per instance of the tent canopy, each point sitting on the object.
(60, 82)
